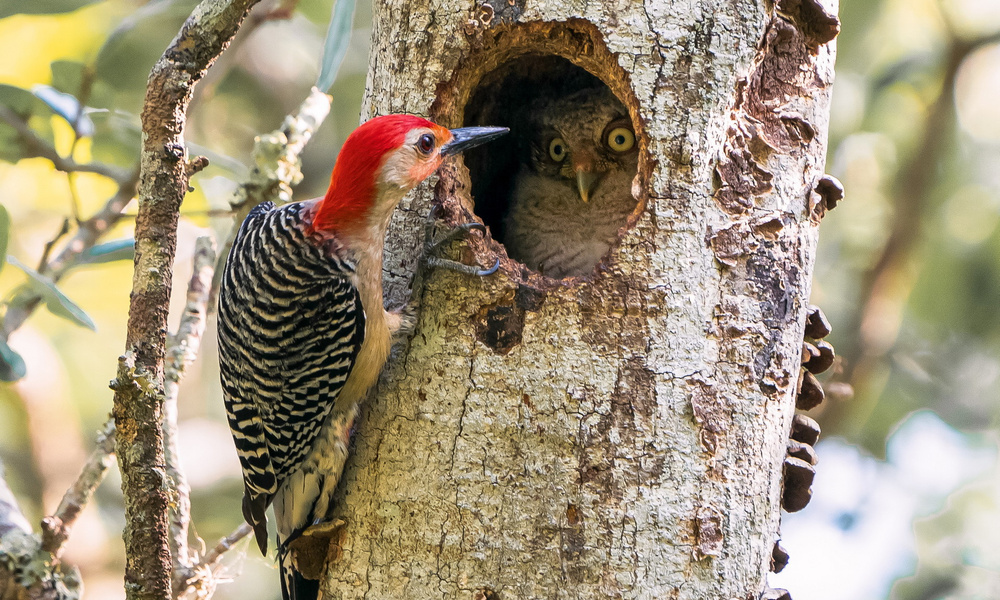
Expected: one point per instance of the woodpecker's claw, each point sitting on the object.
(457, 232)
(434, 244)
(436, 262)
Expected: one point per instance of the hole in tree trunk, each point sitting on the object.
(558, 190)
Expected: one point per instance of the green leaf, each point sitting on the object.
(123, 249)
(67, 76)
(10, 145)
(338, 35)
(40, 7)
(4, 234)
(20, 100)
(67, 107)
(11, 364)
(117, 137)
(25, 104)
(56, 301)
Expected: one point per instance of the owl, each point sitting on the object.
(572, 191)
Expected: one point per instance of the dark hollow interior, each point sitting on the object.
(501, 99)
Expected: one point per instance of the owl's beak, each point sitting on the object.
(585, 183)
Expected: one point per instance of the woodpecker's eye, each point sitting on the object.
(557, 149)
(621, 139)
(426, 143)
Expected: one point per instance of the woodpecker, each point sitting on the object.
(572, 192)
(303, 333)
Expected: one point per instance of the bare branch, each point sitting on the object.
(56, 528)
(278, 167)
(182, 351)
(39, 148)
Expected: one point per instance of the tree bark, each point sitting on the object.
(619, 435)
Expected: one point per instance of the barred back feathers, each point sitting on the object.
(291, 323)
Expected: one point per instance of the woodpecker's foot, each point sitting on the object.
(435, 242)
(402, 322)
(446, 263)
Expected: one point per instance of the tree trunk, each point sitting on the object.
(619, 435)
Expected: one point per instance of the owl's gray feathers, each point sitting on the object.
(573, 188)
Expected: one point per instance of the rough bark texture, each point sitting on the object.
(163, 182)
(620, 435)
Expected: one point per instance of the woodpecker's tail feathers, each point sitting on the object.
(253, 512)
(293, 585)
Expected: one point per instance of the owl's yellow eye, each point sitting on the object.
(621, 139)
(557, 149)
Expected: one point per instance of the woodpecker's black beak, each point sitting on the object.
(470, 137)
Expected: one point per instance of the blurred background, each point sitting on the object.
(906, 503)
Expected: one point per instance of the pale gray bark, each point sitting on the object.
(625, 437)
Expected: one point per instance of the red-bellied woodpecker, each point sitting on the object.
(573, 190)
(302, 330)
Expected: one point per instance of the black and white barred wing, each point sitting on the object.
(290, 326)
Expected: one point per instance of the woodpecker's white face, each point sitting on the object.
(581, 138)
(403, 169)
(415, 160)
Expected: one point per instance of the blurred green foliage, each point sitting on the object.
(911, 330)
(915, 138)
(908, 268)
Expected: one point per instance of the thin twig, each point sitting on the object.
(26, 299)
(74, 196)
(39, 148)
(278, 167)
(225, 544)
(43, 262)
(205, 572)
(182, 350)
(56, 528)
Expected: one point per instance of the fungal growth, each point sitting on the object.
(558, 190)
